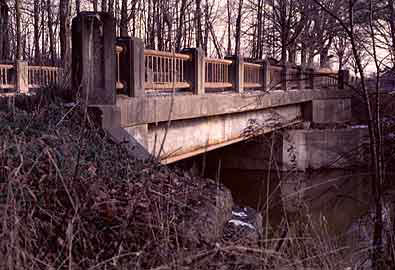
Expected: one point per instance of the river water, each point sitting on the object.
(339, 196)
(339, 200)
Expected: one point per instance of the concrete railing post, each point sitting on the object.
(266, 75)
(285, 77)
(301, 78)
(343, 78)
(93, 57)
(310, 77)
(195, 70)
(131, 66)
(22, 76)
(237, 73)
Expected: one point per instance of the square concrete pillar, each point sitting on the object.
(301, 78)
(265, 75)
(195, 70)
(310, 78)
(93, 57)
(343, 78)
(131, 66)
(22, 76)
(285, 77)
(237, 72)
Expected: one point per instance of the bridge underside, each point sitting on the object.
(207, 122)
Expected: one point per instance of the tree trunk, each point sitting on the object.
(37, 55)
(284, 31)
(124, 31)
(111, 7)
(78, 6)
(198, 21)
(206, 27)
(104, 5)
(18, 14)
(94, 4)
(51, 32)
(4, 47)
(180, 25)
(64, 32)
(229, 51)
(392, 28)
(238, 28)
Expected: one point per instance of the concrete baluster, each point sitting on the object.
(195, 70)
(266, 75)
(93, 57)
(344, 77)
(310, 75)
(237, 73)
(301, 78)
(132, 66)
(285, 77)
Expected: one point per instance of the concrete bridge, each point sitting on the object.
(177, 105)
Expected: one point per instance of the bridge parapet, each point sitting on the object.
(22, 76)
(135, 71)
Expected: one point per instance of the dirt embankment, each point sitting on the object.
(70, 198)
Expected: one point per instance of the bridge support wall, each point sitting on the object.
(331, 111)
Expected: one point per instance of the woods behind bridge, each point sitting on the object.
(288, 30)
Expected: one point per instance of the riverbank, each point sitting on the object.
(72, 199)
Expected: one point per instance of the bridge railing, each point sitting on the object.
(326, 80)
(165, 70)
(7, 78)
(217, 73)
(293, 78)
(23, 77)
(275, 77)
(39, 76)
(191, 70)
(140, 71)
(253, 76)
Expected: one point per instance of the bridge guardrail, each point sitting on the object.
(217, 73)
(39, 76)
(165, 70)
(23, 77)
(253, 76)
(7, 79)
(141, 70)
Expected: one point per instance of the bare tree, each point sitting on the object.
(238, 27)
(18, 15)
(4, 41)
